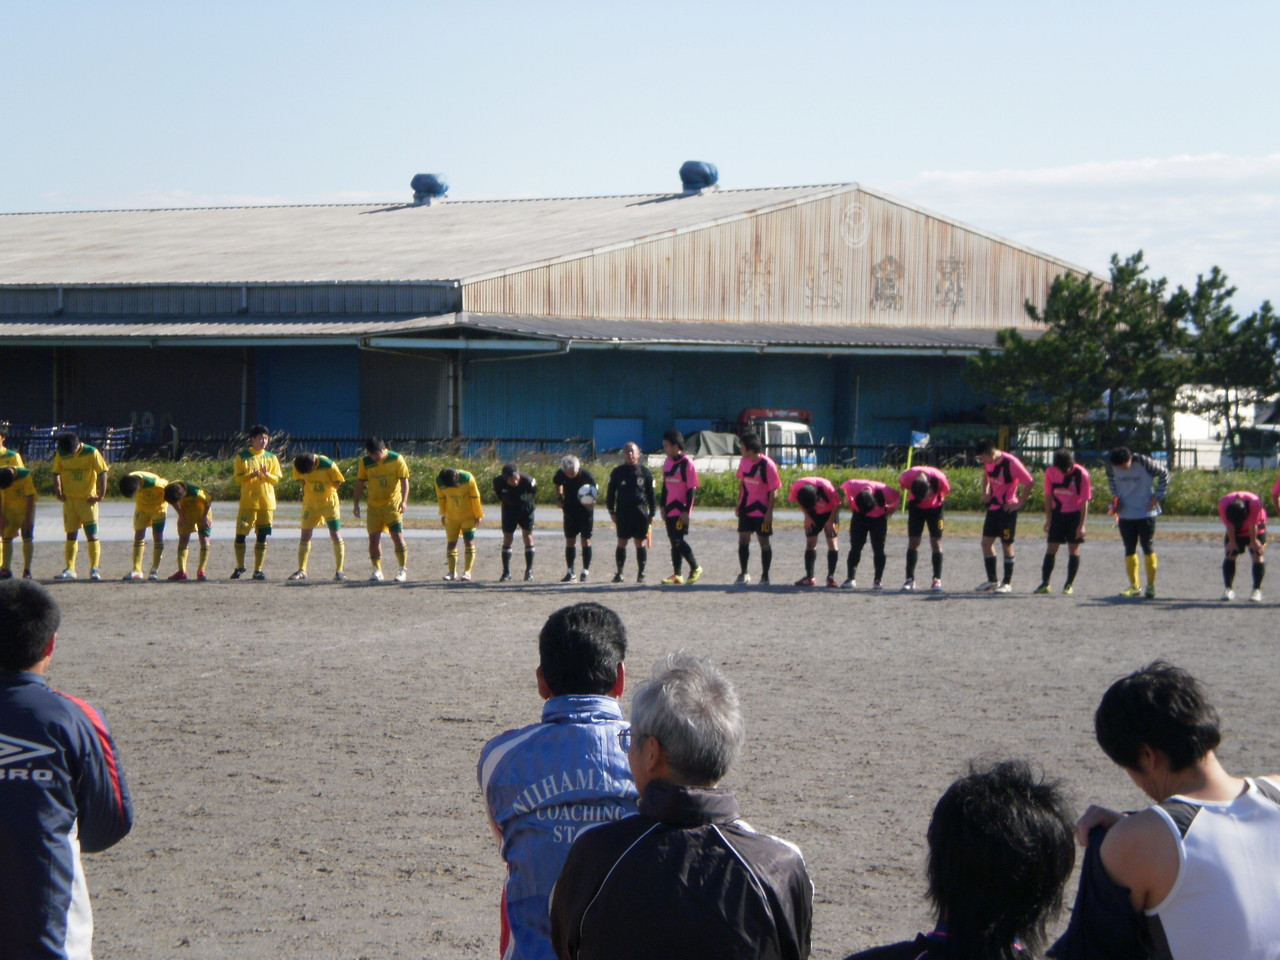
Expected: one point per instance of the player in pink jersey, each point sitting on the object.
(871, 504)
(1246, 521)
(1003, 477)
(820, 501)
(1067, 492)
(758, 485)
(926, 489)
(679, 488)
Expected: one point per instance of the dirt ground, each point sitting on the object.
(302, 756)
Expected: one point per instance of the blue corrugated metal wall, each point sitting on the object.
(895, 395)
(309, 391)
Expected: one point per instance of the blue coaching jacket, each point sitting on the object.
(543, 785)
(61, 791)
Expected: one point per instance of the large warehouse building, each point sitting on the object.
(599, 318)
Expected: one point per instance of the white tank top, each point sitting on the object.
(1225, 904)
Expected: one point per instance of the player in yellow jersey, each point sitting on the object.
(80, 482)
(194, 508)
(386, 475)
(257, 470)
(320, 478)
(18, 514)
(149, 510)
(460, 513)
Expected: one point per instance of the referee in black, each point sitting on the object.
(631, 505)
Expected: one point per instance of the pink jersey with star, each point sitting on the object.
(679, 480)
(942, 486)
(1069, 492)
(1257, 512)
(828, 497)
(757, 480)
(1003, 477)
(892, 499)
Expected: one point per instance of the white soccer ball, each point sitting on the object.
(587, 495)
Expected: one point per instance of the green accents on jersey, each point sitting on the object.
(248, 454)
(369, 461)
(323, 463)
(392, 455)
(86, 449)
(21, 473)
(245, 454)
(464, 477)
(193, 491)
(148, 480)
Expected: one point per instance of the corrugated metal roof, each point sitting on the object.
(32, 332)
(454, 240)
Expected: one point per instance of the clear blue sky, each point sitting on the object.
(1080, 129)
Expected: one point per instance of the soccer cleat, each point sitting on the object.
(26, 575)
(1228, 594)
(742, 578)
(401, 575)
(1255, 595)
(1004, 588)
(6, 574)
(180, 575)
(908, 585)
(617, 577)
(1044, 588)
(568, 577)
(506, 575)
(831, 582)
(880, 586)
(849, 584)
(936, 585)
(465, 575)
(675, 579)
(376, 576)
(237, 573)
(447, 576)
(694, 575)
(528, 576)
(1151, 592)
(132, 575)
(1131, 592)
(201, 575)
(586, 575)
(640, 578)
(94, 575)
(67, 574)
(298, 575)
(806, 582)
(339, 575)
(1067, 590)
(763, 581)
(154, 575)
(259, 575)
(986, 586)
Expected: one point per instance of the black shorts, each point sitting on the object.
(815, 529)
(632, 525)
(1242, 537)
(578, 525)
(755, 523)
(918, 518)
(1134, 531)
(861, 527)
(677, 526)
(512, 518)
(1063, 527)
(1001, 524)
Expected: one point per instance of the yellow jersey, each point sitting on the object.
(23, 486)
(10, 458)
(192, 507)
(461, 503)
(79, 472)
(150, 495)
(255, 492)
(383, 478)
(320, 486)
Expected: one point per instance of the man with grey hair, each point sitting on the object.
(685, 877)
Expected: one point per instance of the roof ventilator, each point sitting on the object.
(698, 177)
(428, 188)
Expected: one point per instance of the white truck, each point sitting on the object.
(786, 435)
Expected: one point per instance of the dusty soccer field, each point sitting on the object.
(302, 756)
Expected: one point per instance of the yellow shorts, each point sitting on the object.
(454, 527)
(326, 516)
(79, 513)
(248, 520)
(189, 521)
(388, 518)
(15, 515)
(142, 519)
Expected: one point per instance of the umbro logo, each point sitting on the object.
(13, 750)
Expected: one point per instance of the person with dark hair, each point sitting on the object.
(758, 486)
(65, 793)
(679, 489)
(1003, 477)
(546, 783)
(819, 500)
(257, 470)
(1193, 877)
(926, 489)
(150, 510)
(631, 504)
(1067, 492)
(1000, 853)
(17, 513)
(321, 479)
(194, 508)
(80, 482)
(871, 504)
(518, 494)
(386, 475)
(1245, 518)
(1138, 487)
(686, 877)
(458, 497)
(576, 493)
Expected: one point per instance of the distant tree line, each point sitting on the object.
(1117, 357)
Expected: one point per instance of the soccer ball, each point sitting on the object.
(587, 495)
